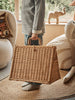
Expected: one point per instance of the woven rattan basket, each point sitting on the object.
(35, 64)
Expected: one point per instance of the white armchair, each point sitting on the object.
(7, 45)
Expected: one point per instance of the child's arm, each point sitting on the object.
(39, 16)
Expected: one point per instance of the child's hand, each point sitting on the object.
(34, 36)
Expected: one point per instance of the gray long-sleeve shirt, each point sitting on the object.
(33, 13)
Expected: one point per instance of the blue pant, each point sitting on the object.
(33, 42)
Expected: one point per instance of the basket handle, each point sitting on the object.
(29, 41)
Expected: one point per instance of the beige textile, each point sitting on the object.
(11, 90)
(11, 24)
(63, 51)
(72, 44)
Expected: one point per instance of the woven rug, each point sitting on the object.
(11, 90)
(71, 97)
(5, 71)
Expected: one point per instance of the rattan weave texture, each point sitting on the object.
(35, 64)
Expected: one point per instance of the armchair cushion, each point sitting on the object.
(6, 52)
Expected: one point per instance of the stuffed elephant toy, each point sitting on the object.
(65, 45)
(70, 34)
(7, 37)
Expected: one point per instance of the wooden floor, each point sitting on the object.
(10, 90)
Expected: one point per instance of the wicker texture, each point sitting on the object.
(35, 64)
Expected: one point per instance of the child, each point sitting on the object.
(33, 13)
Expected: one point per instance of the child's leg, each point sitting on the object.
(36, 43)
(28, 86)
(41, 37)
(26, 37)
